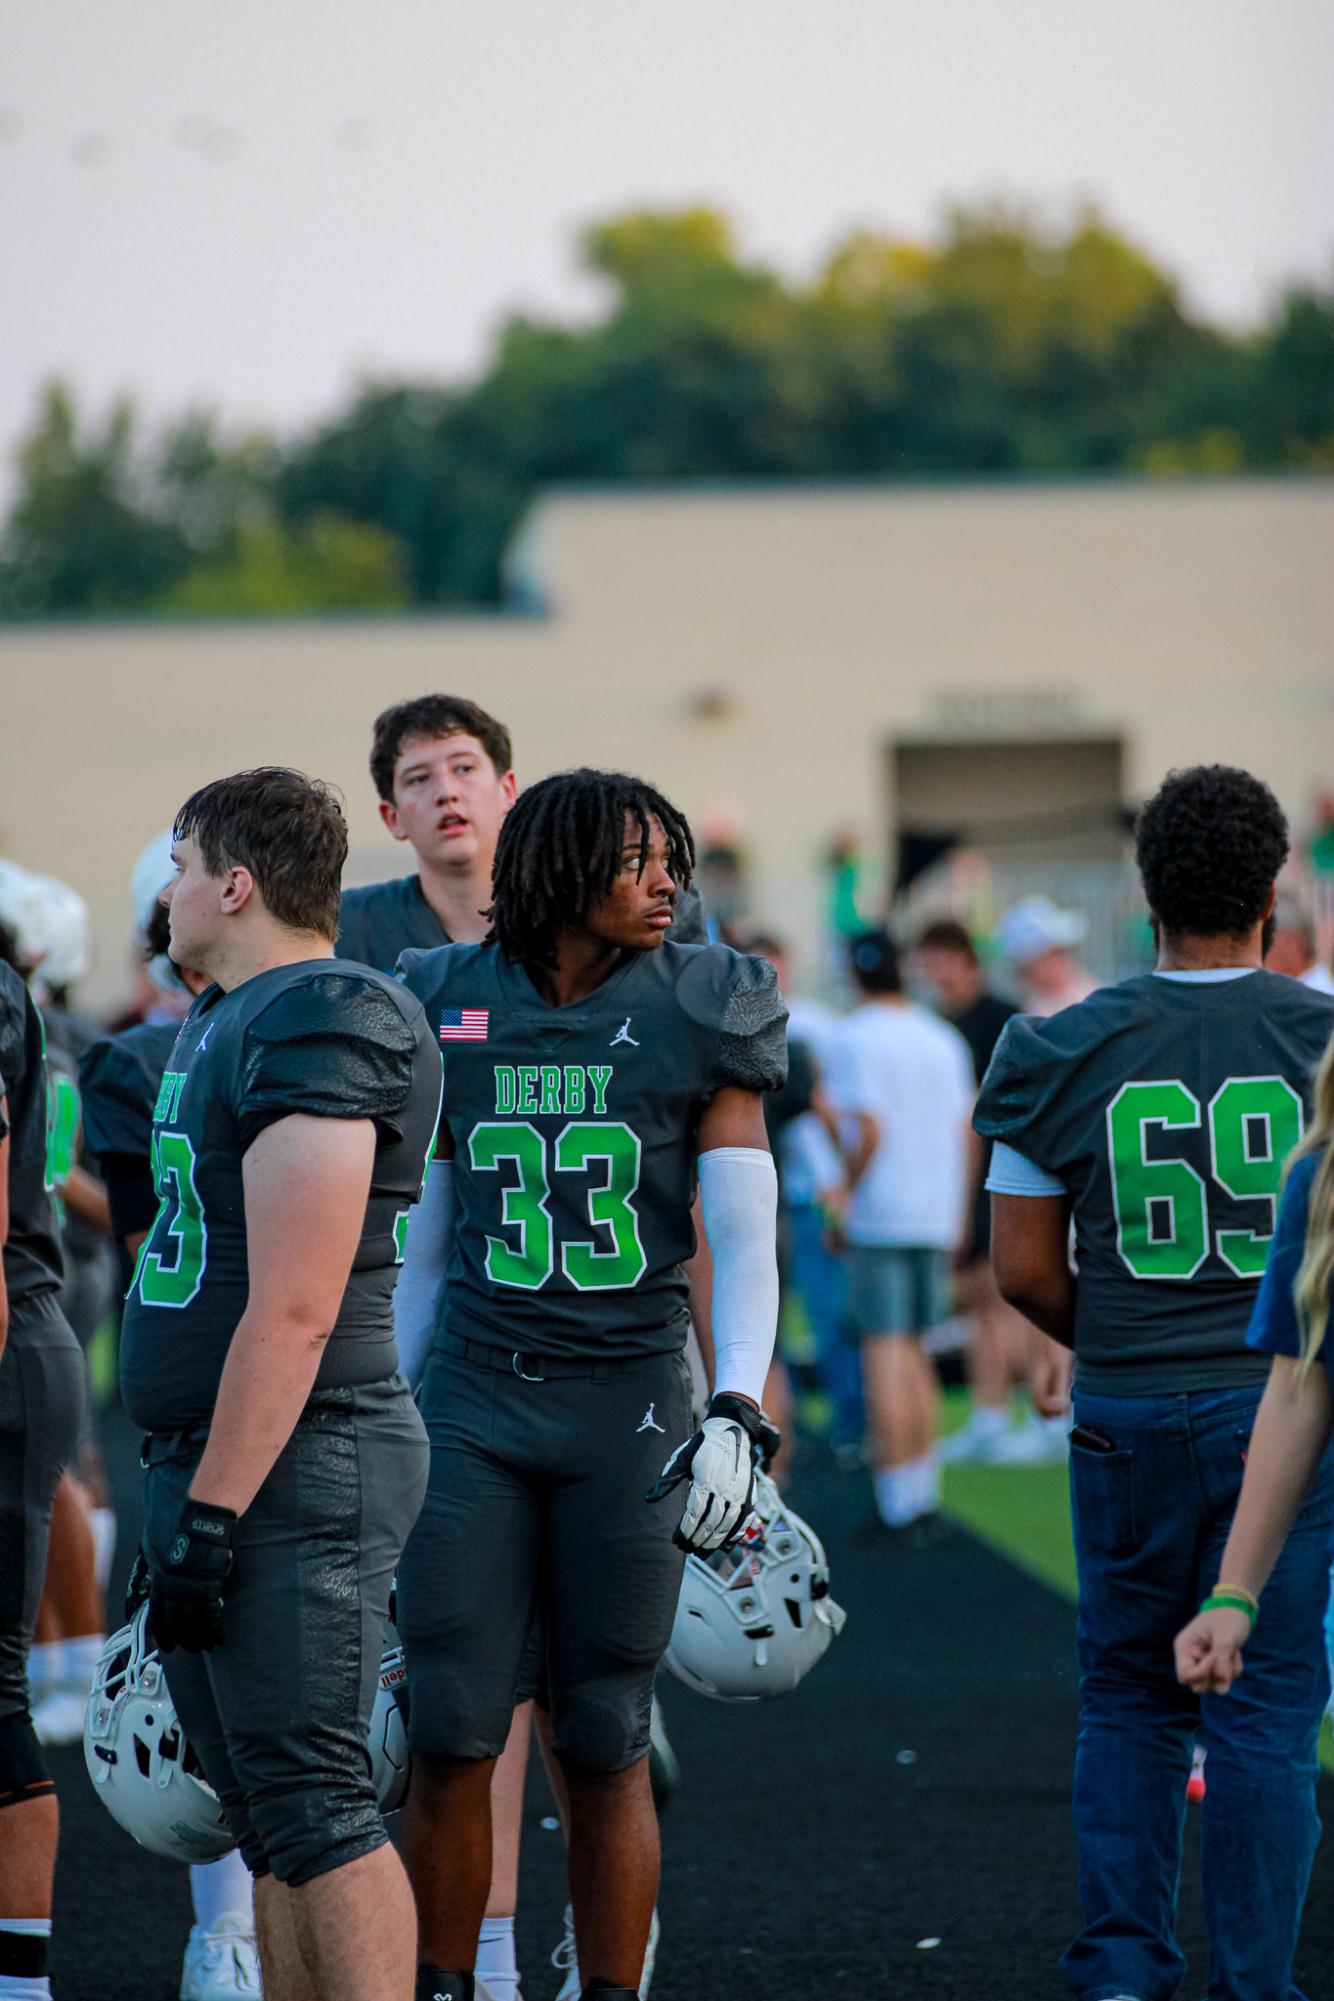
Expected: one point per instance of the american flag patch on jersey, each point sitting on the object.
(463, 1024)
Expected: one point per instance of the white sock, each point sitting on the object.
(102, 1522)
(926, 1482)
(44, 1665)
(23, 1986)
(989, 1420)
(222, 1889)
(1057, 1427)
(78, 1661)
(894, 1499)
(496, 1963)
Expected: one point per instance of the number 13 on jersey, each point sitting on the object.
(1163, 1228)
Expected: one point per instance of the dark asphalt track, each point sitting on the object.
(808, 1853)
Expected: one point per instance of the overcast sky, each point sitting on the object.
(254, 202)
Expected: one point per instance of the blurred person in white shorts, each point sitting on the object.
(902, 1082)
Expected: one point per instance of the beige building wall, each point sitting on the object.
(757, 649)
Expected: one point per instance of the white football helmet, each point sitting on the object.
(753, 1619)
(50, 924)
(140, 1760)
(389, 1733)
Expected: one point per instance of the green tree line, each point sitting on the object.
(1000, 348)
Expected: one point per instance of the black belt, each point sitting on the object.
(538, 1368)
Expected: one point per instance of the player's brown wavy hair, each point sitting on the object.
(1311, 1288)
(560, 849)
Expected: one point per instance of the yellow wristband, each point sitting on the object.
(1239, 1591)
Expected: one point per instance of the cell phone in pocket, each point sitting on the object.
(1087, 1438)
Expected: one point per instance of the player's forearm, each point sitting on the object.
(1292, 1428)
(1049, 1302)
(699, 1280)
(269, 1373)
(739, 1199)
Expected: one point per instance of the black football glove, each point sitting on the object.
(719, 1461)
(768, 1439)
(185, 1603)
(138, 1584)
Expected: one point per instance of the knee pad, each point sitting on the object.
(23, 1771)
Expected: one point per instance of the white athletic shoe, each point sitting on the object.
(1031, 1445)
(565, 1960)
(968, 1446)
(221, 1964)
(58, 1717)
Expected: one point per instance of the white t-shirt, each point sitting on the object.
(913, 1073)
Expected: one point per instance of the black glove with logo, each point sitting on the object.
(185, 1604)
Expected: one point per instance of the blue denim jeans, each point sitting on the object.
(1151, 1518)
(817, 1277)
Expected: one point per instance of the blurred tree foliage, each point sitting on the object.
(1003, 348)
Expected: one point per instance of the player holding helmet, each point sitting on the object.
(591, 1072)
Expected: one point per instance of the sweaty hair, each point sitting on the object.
(431, 716)
(1209, 844)
(874, 959)
(560, 851)
(946, 934)
(287, 829)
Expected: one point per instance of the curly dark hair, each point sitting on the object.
(1209, 845)
(560, 849)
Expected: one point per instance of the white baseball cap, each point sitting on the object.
(1035, 925)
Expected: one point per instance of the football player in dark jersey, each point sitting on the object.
(120, 1077)
(1158, 1114)
(41, 1408)
(592, 1074)
(443, 770)
(285, 1457)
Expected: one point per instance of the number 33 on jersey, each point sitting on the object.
(573, 1135)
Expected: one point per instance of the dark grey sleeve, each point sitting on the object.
(752, 1038)
(689, 926)
(338, 1047)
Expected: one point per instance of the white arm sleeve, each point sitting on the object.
(738, 1187)
(418, 1296)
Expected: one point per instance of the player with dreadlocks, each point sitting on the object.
(568, 850)
(594, 1075)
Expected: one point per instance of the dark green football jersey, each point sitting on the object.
(33, 1262)
(321, 1037)
(1168, 1109)
(574, 1132)
(377, 923)
(119, 1080)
